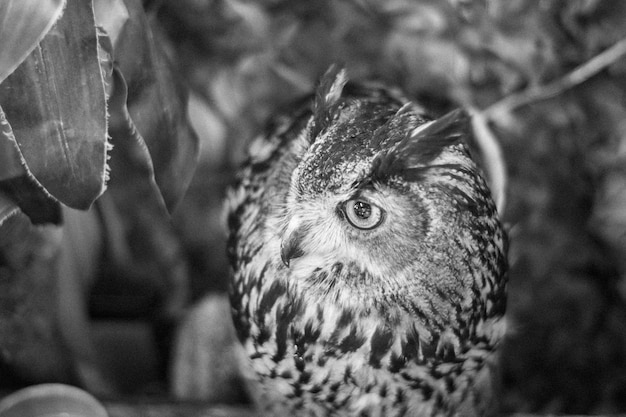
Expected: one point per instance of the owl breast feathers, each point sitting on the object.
(369, 262)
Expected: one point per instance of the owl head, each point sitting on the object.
(387, 214)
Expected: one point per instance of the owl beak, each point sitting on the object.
(290, 247)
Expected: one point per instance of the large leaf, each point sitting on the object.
(130, 161)
(22, 25)
(55, 104)
(156, 104)
(131, 164)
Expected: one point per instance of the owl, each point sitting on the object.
(369, 260)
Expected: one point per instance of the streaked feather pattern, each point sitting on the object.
(400, 320)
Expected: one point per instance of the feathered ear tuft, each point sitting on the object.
(407, 115)
(420, 146)
(327, 98)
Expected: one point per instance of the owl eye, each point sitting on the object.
(362, 214)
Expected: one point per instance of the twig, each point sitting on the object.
(501, 110)
(492, 157)
(572, 79)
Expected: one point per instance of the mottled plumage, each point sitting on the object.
(369, 261)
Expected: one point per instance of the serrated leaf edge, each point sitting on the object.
(7, 214)
(108, 145)
(11, 137)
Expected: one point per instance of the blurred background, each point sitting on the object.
(241, 61)
(566, 197)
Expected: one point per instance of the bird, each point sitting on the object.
(369, 260)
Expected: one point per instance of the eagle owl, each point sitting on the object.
(369, 261)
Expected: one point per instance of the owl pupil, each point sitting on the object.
(362, 209)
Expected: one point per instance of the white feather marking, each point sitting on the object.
(334, 92)
(421, 127)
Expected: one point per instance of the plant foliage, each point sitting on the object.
(56, 128)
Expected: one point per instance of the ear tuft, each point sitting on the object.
(327, 98)
(423, 144)
(427, 141)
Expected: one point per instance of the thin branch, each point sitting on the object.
(572, 79)
(492, 157)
